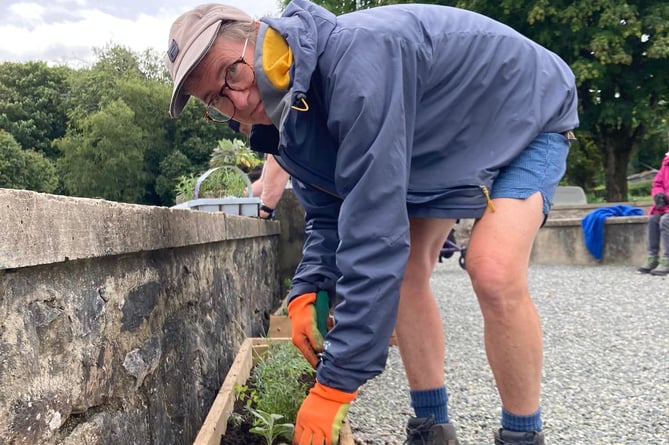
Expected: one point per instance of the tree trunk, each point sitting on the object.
(617, 150)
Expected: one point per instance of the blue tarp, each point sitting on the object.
(593, 226)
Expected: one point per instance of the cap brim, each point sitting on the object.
(192, 57)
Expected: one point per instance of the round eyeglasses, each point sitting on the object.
(238, 77)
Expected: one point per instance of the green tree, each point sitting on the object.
(144, 96)
(619, 52)
(584, 165)
(650, 156)
(32, 104)
(103, 156)
(141, 82)
(339, 7)
(172, 167)
(94, 87)
(24, 169)
(41, 104)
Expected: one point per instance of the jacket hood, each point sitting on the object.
(300, 25)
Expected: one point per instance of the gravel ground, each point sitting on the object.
(606, 361)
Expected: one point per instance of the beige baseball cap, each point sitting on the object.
(191, 36)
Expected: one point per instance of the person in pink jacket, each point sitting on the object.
(658, 223)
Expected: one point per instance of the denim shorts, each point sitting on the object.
(538, 168)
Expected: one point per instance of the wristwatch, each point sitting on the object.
(270, 212)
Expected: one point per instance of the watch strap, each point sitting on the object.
(270, 211)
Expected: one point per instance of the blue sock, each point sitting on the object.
(431, 403)
(513, 422)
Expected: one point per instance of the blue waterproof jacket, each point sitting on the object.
(391, 112)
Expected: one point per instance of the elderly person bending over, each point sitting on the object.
(393, 123)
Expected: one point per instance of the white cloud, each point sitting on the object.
(73, 28)
(29, 11)
(23, 15)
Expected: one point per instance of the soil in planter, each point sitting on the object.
(238, 434)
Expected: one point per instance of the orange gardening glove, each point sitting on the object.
(305, 333)
(321, 415)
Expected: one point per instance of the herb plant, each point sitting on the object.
(282, 379)
(267, 425)
(278, 385)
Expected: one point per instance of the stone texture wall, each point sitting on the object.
(561, 241)
(290, 214)
(581, 210)
(118, 323)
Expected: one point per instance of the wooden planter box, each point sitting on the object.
(216, 422)
(279, 327)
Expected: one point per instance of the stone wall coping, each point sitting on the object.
(641, 219)
(644, 204)
(38, 228)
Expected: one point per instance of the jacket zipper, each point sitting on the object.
(486, 193)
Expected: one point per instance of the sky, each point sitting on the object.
(67, 31)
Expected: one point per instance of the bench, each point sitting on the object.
(569, 195)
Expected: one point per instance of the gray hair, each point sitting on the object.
(238, 31)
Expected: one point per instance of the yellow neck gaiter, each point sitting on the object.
(276, 59)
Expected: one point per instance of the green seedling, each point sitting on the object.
(268, 426)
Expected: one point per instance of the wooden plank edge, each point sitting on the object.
(216, 422)
(279, 327)
(345, 434)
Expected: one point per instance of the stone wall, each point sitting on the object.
(581, 210)
(118, 323)
(561, 241)
(290, 214)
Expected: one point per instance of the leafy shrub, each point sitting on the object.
(234, 159)
(282, 379)
(278, 385)
(639, 189)
(234, 152)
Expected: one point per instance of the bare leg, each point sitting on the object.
(497, 261)
(420, 334)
